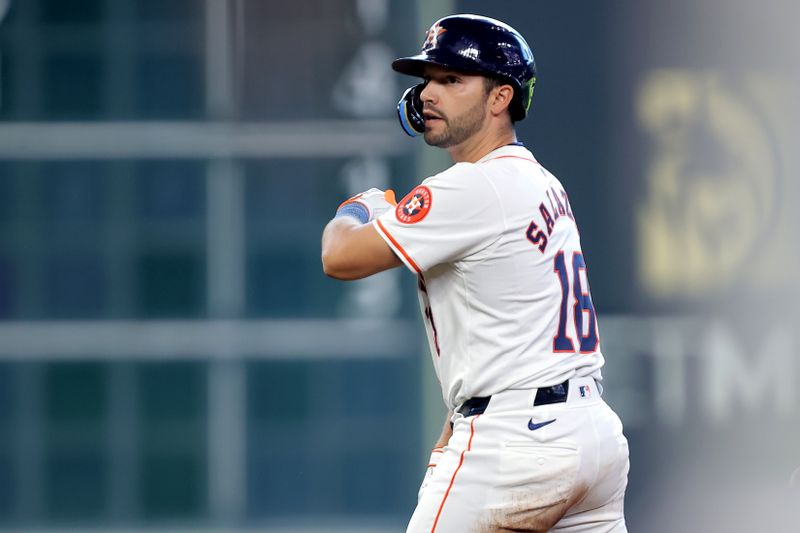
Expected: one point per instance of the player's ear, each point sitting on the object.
(500, 98)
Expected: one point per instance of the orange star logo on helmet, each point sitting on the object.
(415, 206)
(432, 37)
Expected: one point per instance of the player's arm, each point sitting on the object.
(352, 250)
(351, 246)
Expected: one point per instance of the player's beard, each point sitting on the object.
(460, 128)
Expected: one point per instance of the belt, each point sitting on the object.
(544, 396)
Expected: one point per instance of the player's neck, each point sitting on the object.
(480, 144)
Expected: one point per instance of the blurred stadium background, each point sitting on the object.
(172, 357)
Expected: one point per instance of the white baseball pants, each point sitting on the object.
(511, 470)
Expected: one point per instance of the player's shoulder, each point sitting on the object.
(508, 155)
(486, 166)
(458, 170)
(461, 175)
(515, 163)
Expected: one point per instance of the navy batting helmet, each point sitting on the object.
(474, 44)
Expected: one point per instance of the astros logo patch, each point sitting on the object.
(432, 37)
(415, 206)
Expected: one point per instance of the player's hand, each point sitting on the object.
(368, 205)
(436, 454)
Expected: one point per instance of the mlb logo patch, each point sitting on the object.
(585, 391)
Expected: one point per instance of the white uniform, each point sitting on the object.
(507, 307)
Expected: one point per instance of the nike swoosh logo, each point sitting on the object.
(534, 427)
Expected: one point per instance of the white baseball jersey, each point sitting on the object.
(502, 279)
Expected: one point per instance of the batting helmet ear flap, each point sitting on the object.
(409, 111)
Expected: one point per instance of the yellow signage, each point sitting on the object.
(712, 213)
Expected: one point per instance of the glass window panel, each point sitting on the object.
(8, 103)
(75, 466)
(72, 10)
(7, 485)
(8, 404)
(76, 485)
(379, 387)
(8, 429)
(74, 191)
(277, 282)
(8, 191)
(370, 488)
(73, 86)
(76, 392)
(287, 204)
(270, 383)
(280, 190)
(173, 438)
(293, 472)
(76, 286)
(170, 86)
(171, 284)
(173, 486)
(327, 478)
(278, 484)
(173, 10)
(170, 189)
(8, 287)
(173, 391)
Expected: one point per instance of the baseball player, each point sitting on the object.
(528, 443)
